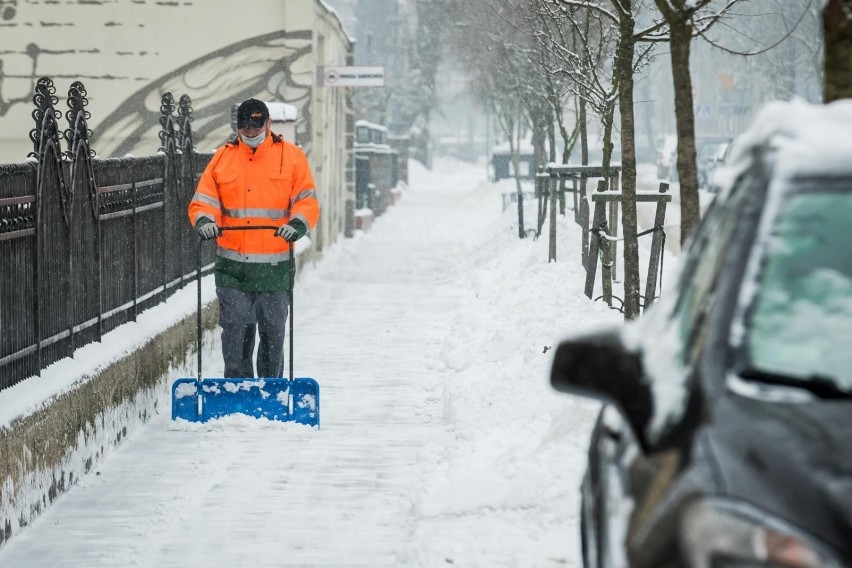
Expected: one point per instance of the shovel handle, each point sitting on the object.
(292, 283)
(292, 292)
(198, 279)
(248, 228)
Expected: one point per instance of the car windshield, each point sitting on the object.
(800, 321)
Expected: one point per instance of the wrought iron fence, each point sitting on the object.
(87, 244)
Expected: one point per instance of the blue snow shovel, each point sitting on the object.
(285, 400)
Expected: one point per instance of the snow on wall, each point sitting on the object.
(23, 499)
(48, 450)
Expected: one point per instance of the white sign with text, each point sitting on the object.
(353, 76)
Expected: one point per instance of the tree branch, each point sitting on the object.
(789, 33)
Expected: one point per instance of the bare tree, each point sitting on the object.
(837, 22)
(616, 22)
(623, 71)
(503, 63)
(626, 62)
(414, 43)
(792, 67)
(685, 20)
(772, 50)
(587, 61)
(540, 25)
(488, 50)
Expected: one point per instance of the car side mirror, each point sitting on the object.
(599, 366)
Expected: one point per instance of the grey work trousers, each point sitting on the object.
(242, 315)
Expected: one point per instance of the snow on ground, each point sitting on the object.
(442, 443)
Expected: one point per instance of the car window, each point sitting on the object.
(679, 330)
(701, 271)
(800, 320)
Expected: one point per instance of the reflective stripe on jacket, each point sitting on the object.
(268, 186)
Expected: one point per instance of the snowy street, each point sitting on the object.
(442, 443)
(389, 165)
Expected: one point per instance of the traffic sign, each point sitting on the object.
(353, 76)
(703, 111)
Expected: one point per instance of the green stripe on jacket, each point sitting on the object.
(252, 277)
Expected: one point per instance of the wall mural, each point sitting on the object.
(32, 51)
(8, 9)
(129, 52)
(259, 67)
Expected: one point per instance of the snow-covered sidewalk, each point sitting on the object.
(441, 443)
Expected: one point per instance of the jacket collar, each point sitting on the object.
(263, 148)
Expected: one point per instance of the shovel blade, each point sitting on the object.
(275, 399)
(305, 393)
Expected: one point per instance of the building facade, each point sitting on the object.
(128, 52)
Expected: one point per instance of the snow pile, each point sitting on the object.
(806, 138)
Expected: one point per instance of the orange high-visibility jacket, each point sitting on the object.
(268, 186)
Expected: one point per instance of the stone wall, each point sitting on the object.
(45, 453)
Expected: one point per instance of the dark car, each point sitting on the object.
(725, 440)
(710, 158)
(707, 147)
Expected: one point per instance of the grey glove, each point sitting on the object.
(287, 232)
(208, 230)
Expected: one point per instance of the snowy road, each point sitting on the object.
(441, 441)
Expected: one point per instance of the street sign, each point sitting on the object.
(703, 111)
(353, 76)
(727, 81)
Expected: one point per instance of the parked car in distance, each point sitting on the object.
(667, 157)
(725, 440)
(706, 148)
(710, 158)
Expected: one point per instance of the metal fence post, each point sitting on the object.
(171, 184)
(46, 145)
(72, 272)
(186, 179)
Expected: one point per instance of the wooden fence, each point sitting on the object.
(599, 241)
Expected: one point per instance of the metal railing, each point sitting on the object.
(87, 244)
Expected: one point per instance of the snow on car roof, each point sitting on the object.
(805, 138)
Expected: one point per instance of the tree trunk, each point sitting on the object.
(690, 211)
(584, 134)
(624, 78)
(516, 166)
(649, 114)
(568, 147)
(837, 26)
(607, 120)
(427, 146)
(551, 141)
(540, 120)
